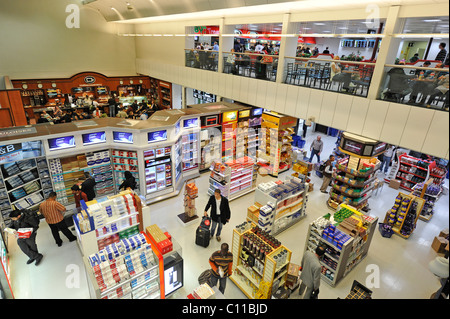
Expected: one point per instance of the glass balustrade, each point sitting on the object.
(258, 66)
(350, 77)
(416, 85)
(201, 59)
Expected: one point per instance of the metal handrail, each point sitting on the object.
(416, 67)
(330, 60)
(253, 54)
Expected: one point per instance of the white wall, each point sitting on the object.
(35, 42)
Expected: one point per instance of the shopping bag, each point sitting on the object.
(24, 232)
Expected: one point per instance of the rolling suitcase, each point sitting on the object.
(203, 233)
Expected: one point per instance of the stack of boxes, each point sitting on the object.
(335, 237)
(204, 291)
(266, 215)
(161, 240)
(191, 192)
(253, 213)
(113, 219)
(440, 243)
(293, 273)
(121, 261)
(101, 172)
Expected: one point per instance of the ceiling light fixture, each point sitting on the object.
(432, 20)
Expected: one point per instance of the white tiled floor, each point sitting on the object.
(402, 264)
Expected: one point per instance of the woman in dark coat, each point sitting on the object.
(129, 181)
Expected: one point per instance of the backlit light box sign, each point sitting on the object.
(94, 138)
(157, 136)
(189, 123)
(123, 137)
(61, 143)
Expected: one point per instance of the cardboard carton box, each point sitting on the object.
(443, 233)
(439, 244)
(394, 183)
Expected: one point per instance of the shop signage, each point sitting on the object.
(89, 79)
(211, 29)
(18, 131)
(10, 153)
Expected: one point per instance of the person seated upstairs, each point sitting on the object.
(122, 113)
(414, 58)
(424, 88)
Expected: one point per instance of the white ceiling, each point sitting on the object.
(135, 11)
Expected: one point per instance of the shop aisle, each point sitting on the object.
(402, 264)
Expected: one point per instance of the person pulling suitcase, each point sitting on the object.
(220, 212)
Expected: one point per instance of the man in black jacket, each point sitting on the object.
(24, 219)
(88, 186)
(220, 212)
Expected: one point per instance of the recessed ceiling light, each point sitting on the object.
(319, 23)
(343, 28)
(327, 31)
(432, 20)
(306, 28)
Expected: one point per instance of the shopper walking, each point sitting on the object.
(221, 267)
(53, 212)
(310, 273)
(316, 149)
(387, 157)
(25, 219)
(328, 170)
(220, 212)
(88, 186)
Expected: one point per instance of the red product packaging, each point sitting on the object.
(24, 232)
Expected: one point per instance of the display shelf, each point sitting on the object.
(430, 192)
(234, 178)
(158, 170)
(353, 181)
(410, 171)
(280, 204)
(127, 269)
(346, 236)
(258, 261)
(275, 150)
(23, 185)
(190, 150)
(404, 214)
(190, 212)
(107, 220)
(210, 146)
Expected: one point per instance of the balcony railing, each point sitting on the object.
(201, 59)
(418, 86)
(349, 77)
(254, 65)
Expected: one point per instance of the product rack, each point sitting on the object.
(339, 261)
(406, 217)
(125, 161)
(411, 171)
(95, 231)
(68, 171)
(287, 211)
(430, 194)
(233, 178)
(275, 149)
(129, 284)
(24, 185)
(353, 181)
(255, 276)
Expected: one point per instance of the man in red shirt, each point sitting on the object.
(53, 213)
